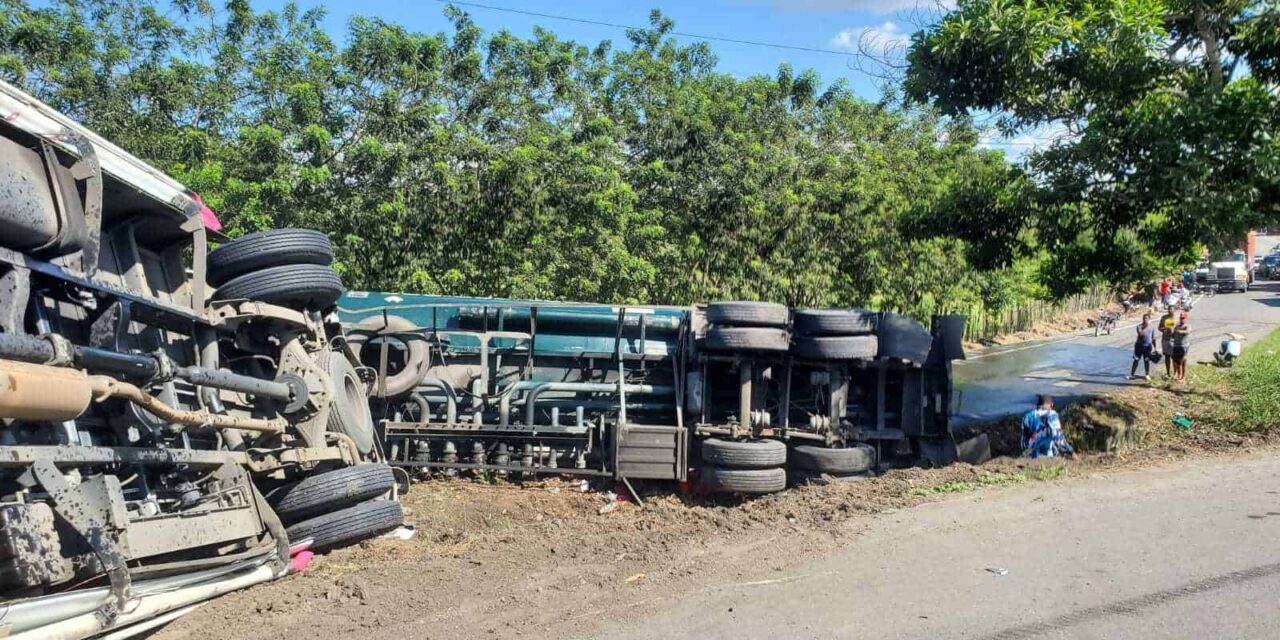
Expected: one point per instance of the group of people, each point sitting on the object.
(1042, 434)
(1171, 294)
(1175, 339)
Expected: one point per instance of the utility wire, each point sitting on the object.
(614, 25)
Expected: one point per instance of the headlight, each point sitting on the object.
(1241, 276)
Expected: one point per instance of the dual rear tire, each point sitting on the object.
(744, 466)
(285, 267)
(759, 327)
(339, 507)
(835, 334)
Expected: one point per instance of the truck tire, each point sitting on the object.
(332, 490)
(263, 249)
(835, 322)
(349, 412)
(416, 352)
(297, 286)
(753, 481)
(859, 458)
(747, 314)
(745, 454)
(836, 347)
(747, 339)
(345, 526)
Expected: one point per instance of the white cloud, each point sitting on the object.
(873, 6)
(1036, 139)
(876, 40)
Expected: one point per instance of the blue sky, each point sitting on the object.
(847, 26)
(820, 24)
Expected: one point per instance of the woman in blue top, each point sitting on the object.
(1143, 347)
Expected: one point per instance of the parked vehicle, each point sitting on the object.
(1230, 271)
(1268, 267)
(740, 393)
(171, 418)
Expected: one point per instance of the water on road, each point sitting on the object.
(1005, 380)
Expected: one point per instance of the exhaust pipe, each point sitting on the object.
(45, 393)
(42, 393)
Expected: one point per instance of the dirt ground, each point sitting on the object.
(506, 560)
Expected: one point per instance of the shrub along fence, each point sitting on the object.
(986, 324)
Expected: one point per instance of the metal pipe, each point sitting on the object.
(32, 613)
(504, 399)
(25, 348)
(588, 387)
(42, 392)
(211, 358)
(105, 387)
(147, 607)
(450, 396)
(744, 395)
(128, 365)
(133, 631)
(223, 379)
(601, 317)
(38, 350)
(498, 467)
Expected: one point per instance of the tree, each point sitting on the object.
(462, 163)
(1170, 110)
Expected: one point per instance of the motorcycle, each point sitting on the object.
(1106, 321)
(1229, 350)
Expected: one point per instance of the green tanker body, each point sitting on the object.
(746, 395)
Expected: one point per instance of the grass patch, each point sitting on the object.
(955, 486)
(1000, 479)
(1048, 473)
(1255, 381)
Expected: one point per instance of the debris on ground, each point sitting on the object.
(483, 548)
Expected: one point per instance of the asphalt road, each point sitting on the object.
(1005, 380)
(1178, 552)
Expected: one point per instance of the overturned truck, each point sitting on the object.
(172, 419)
(748, 395)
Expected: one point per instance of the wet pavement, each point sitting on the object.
(1004, 381)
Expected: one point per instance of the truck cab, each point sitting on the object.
(160, 419)
(1230, 271)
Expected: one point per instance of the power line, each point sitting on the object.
(614, 25)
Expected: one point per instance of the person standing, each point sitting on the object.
(1143, 345)
(1188, 278)
(1167, 323)
(1181, 342)
(1164, 288)
(1042, 432)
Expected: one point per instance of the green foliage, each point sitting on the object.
(1170, 111)
(1255, 382)
(460, 163)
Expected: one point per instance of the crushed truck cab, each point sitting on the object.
(171, 418)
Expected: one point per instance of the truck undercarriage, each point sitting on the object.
(744, 392)
(159, 432)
